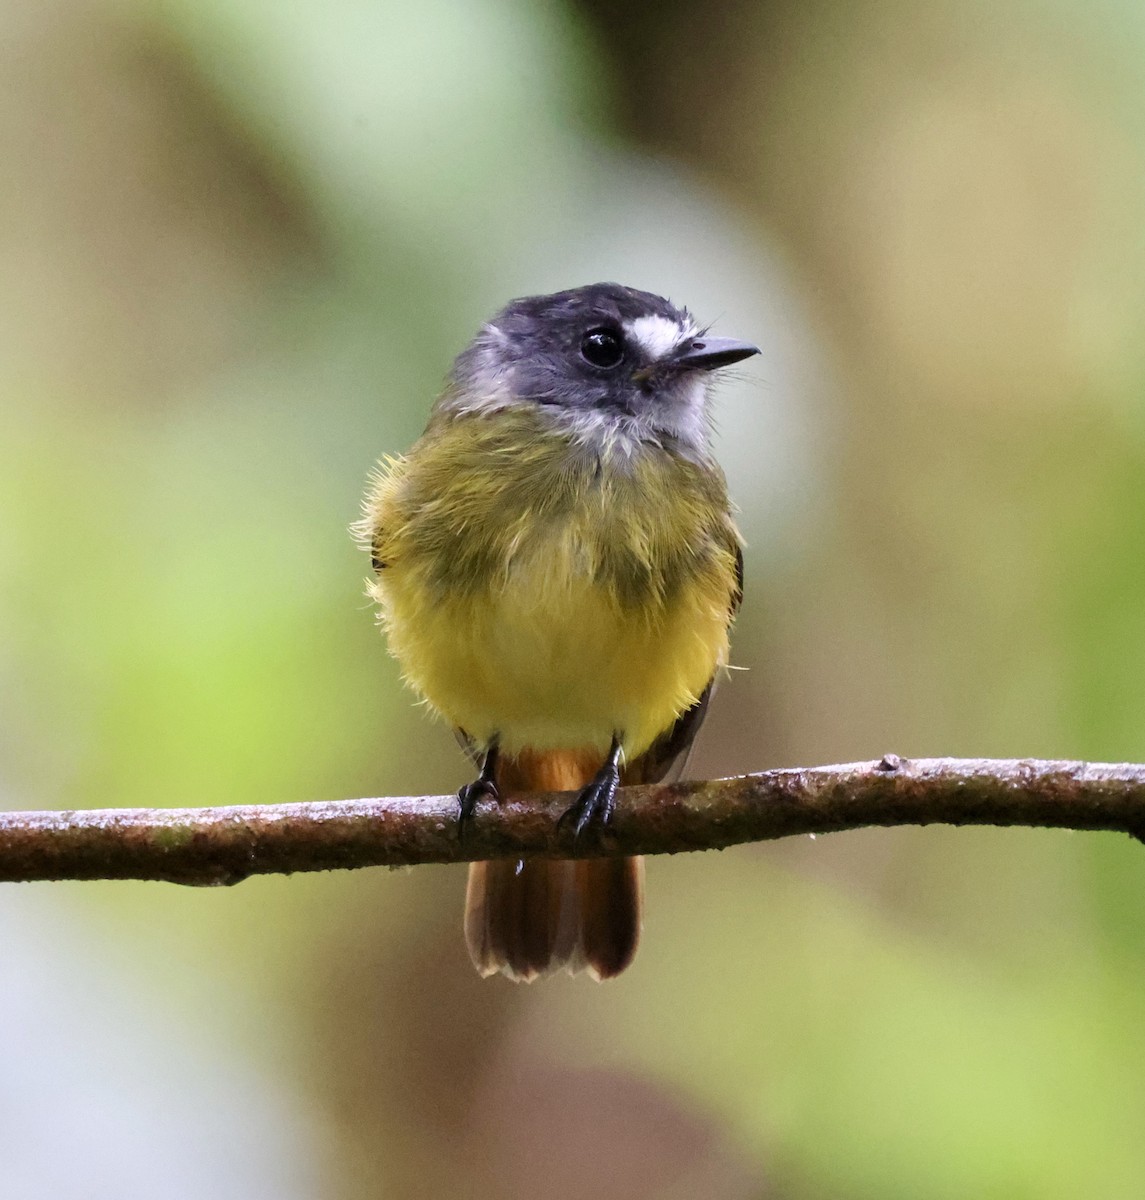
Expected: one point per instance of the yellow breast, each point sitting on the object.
(533, 593)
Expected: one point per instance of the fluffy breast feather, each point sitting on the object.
(533, 591)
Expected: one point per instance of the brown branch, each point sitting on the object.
(224, 845)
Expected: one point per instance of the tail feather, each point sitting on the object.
(611, 896)
(528, 918)
(519, 917)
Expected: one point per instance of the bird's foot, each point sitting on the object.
(484, 785)
(596, 802)
(468, 796)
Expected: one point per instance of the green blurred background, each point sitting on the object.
(240, 242)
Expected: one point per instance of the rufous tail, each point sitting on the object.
(529, 917)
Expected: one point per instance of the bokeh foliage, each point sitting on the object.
(241, 242)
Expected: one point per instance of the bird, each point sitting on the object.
(556, 569)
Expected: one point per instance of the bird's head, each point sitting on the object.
(609, 365)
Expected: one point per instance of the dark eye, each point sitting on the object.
(602, 348)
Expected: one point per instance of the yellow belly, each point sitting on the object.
(550, 660)
(546, 597)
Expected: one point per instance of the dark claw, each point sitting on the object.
(597, 801)
(471, 793)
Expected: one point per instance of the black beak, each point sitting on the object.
(708, 353)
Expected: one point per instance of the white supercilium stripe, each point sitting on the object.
(656, 336)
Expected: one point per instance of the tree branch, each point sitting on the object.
(207, 846)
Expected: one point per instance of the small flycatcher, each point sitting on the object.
(557, 568)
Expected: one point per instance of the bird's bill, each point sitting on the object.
(708, 353)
